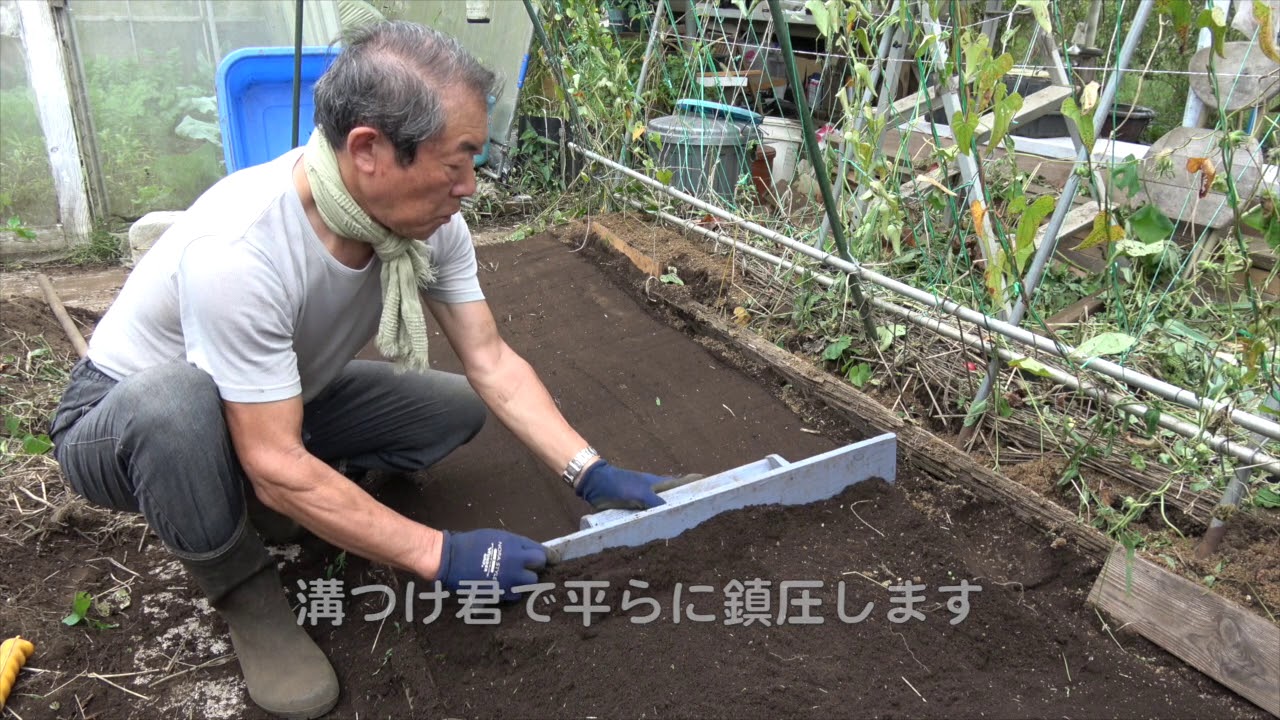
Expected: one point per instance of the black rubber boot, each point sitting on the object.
(287, 674)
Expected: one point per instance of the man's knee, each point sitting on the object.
(177, 399)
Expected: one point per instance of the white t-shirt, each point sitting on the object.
(242, 287)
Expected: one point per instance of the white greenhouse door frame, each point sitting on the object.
(47, 73)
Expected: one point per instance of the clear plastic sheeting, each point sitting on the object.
(148, 68)
(26, 182)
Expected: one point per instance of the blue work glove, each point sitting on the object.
(490, 555)
(607, 487)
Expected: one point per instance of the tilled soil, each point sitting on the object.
(651, 398)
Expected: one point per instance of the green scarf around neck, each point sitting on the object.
(402, 331)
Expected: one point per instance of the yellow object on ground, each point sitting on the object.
(13, 655)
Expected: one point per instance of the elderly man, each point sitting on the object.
(228, 359)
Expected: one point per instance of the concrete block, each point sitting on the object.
(147, 230)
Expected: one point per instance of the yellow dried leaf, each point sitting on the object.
(1102, 232)
(931, 181)
(978, 211)
(636, 132)
(741, 316)
(1089, 97)
(1203, 165)
(1266, 32)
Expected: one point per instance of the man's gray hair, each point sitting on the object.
(391, 76)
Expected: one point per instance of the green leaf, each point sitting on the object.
(657, 401)
(863, 73)
(859, 374)
(1268, 496)
(1005, 109)
(835, 350)
(821, 17)
(1083, 121)
(1040, 10)
(664, 176)
(1181, 12)
(976, 50)
(1181, 329)
(1003, 408)
(1107, 343)
(1215, 21)
(975, 413)
(962, 128)
(1138, 462)
(671, 277)
(79, 608)
(36, 444)
(1028, 224)
(1136, 249)
(1125, 176)
(1152, 419)
(887, 335)
(1030, 365)
(12, 424)
(1150, 225)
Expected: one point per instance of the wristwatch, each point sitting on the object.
(577, 465)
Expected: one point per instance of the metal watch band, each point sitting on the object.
(578, 464)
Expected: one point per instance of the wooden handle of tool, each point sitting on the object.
(60, 312)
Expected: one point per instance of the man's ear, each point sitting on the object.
(363, 148)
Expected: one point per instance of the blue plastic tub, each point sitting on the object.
(255, 102)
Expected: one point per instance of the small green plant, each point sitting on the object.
(103, 248)
(24, 440)
(671, 277)
(81, 604)
(19, 229)
(337, 566)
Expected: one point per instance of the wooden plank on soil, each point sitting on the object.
(1221, 639)
(646, 264)
(1076, 312)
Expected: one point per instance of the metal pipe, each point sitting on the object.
(297, 69)
(1234, 494)
(1137, 379)
(1031, 281)
(819, 165)
(1091, 25)
(1253, 457)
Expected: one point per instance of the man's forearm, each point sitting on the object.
(516, 396)
(337, 510)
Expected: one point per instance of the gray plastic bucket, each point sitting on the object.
(707, 156)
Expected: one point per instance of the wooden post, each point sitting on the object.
(47, 70)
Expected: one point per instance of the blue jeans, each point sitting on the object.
(156, 442)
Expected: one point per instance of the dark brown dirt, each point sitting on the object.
(649, 398)
(1027, 648)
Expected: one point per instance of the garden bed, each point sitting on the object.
(650, 397)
